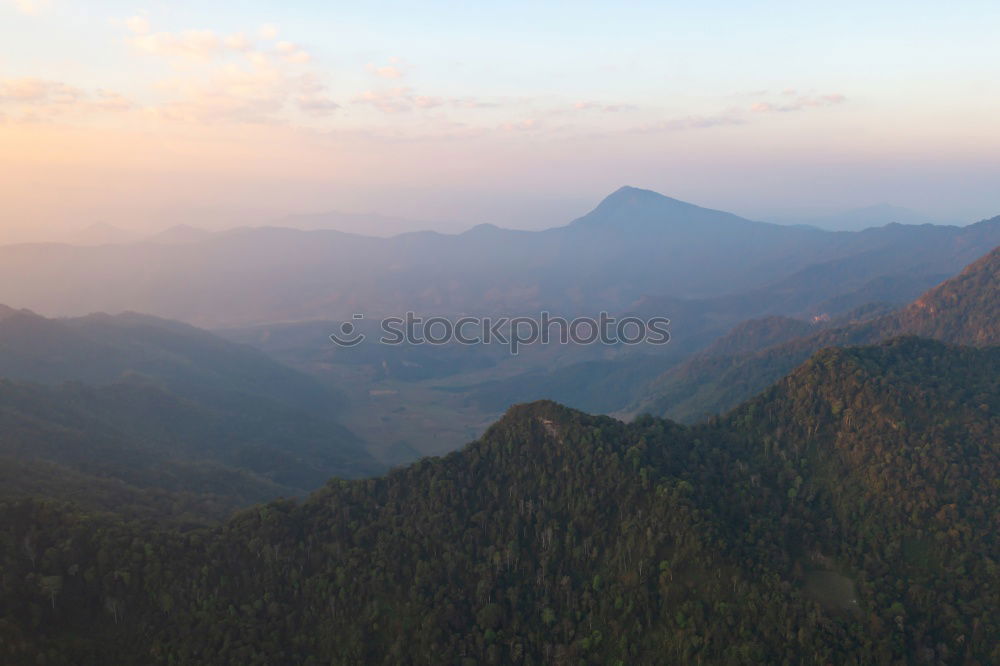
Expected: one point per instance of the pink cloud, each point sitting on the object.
(238, 42)
(606, 108)
(521, 126)
(187, 44)
(40, 99)
(798, 104)
(291, 53)
(394, 70)
(31, 6)
(317, 105)
(728, 118)
(38, 90)
(403, 99)
(393, 100)
(138, 25)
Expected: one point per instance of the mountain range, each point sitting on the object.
(844, 516)
(131, 403)
(690, 382)
(857, 219)
(963, 310)
(823, 491)
(635, 245)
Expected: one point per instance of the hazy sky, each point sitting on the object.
(519, 113)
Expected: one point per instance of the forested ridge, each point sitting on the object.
(848, 515)
(149, 417)
(962, 310)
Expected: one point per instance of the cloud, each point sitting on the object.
(202, 45)
(734, 116)
(263, 92)
(428, 102)
(393, 100)
(30, 7)
(38, 91)
(111, 101)
(41, 99)
(138, 25)
(799, 103)
(473, 103)
(188, 44)
(311, 97)
(727, 118)
(316, 104)
(521, 126)
(394, 70)
(703, 122)
(402, 99)
(238, 42)
(385, 72)
(291, 53)
(606, 108)
(233, 80)
(828, 100)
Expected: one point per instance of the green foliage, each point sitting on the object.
(962, 310)
(167, 408)
(565, 538)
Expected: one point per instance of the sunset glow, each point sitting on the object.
(145, 116)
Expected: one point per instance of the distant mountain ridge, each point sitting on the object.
(754, 352)
(367, 224)
(857, 219)
(180, 234)
(634, 244)
(962, 310)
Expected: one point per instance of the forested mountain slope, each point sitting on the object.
(127, 405)
(149, 438)
(847, 516)
(101, 348)
(962, 310)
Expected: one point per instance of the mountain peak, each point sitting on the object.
(483, 228)
(636, 207)
(629, 195)
(547, 414)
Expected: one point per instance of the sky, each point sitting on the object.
(522, 114)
